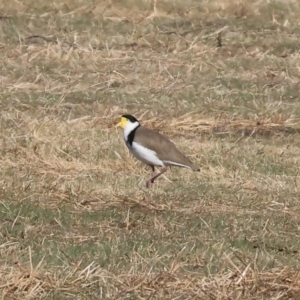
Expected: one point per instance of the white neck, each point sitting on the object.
(129, 127)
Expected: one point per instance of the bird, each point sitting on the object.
(152, 148)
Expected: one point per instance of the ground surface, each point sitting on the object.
(220, 78)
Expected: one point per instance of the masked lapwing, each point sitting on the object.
(152, 148)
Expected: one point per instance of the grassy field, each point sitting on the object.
(220, 78)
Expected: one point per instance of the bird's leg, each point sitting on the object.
(151, 180)
(149, 183)
(153, 171)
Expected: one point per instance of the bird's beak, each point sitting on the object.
(122, 123)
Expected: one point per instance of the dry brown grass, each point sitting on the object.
(220, 78)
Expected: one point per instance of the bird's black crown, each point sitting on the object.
(131, 118)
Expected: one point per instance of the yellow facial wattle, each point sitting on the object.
(122, 123)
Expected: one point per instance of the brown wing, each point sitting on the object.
(165, 149)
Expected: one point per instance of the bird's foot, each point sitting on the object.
(149, 184)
